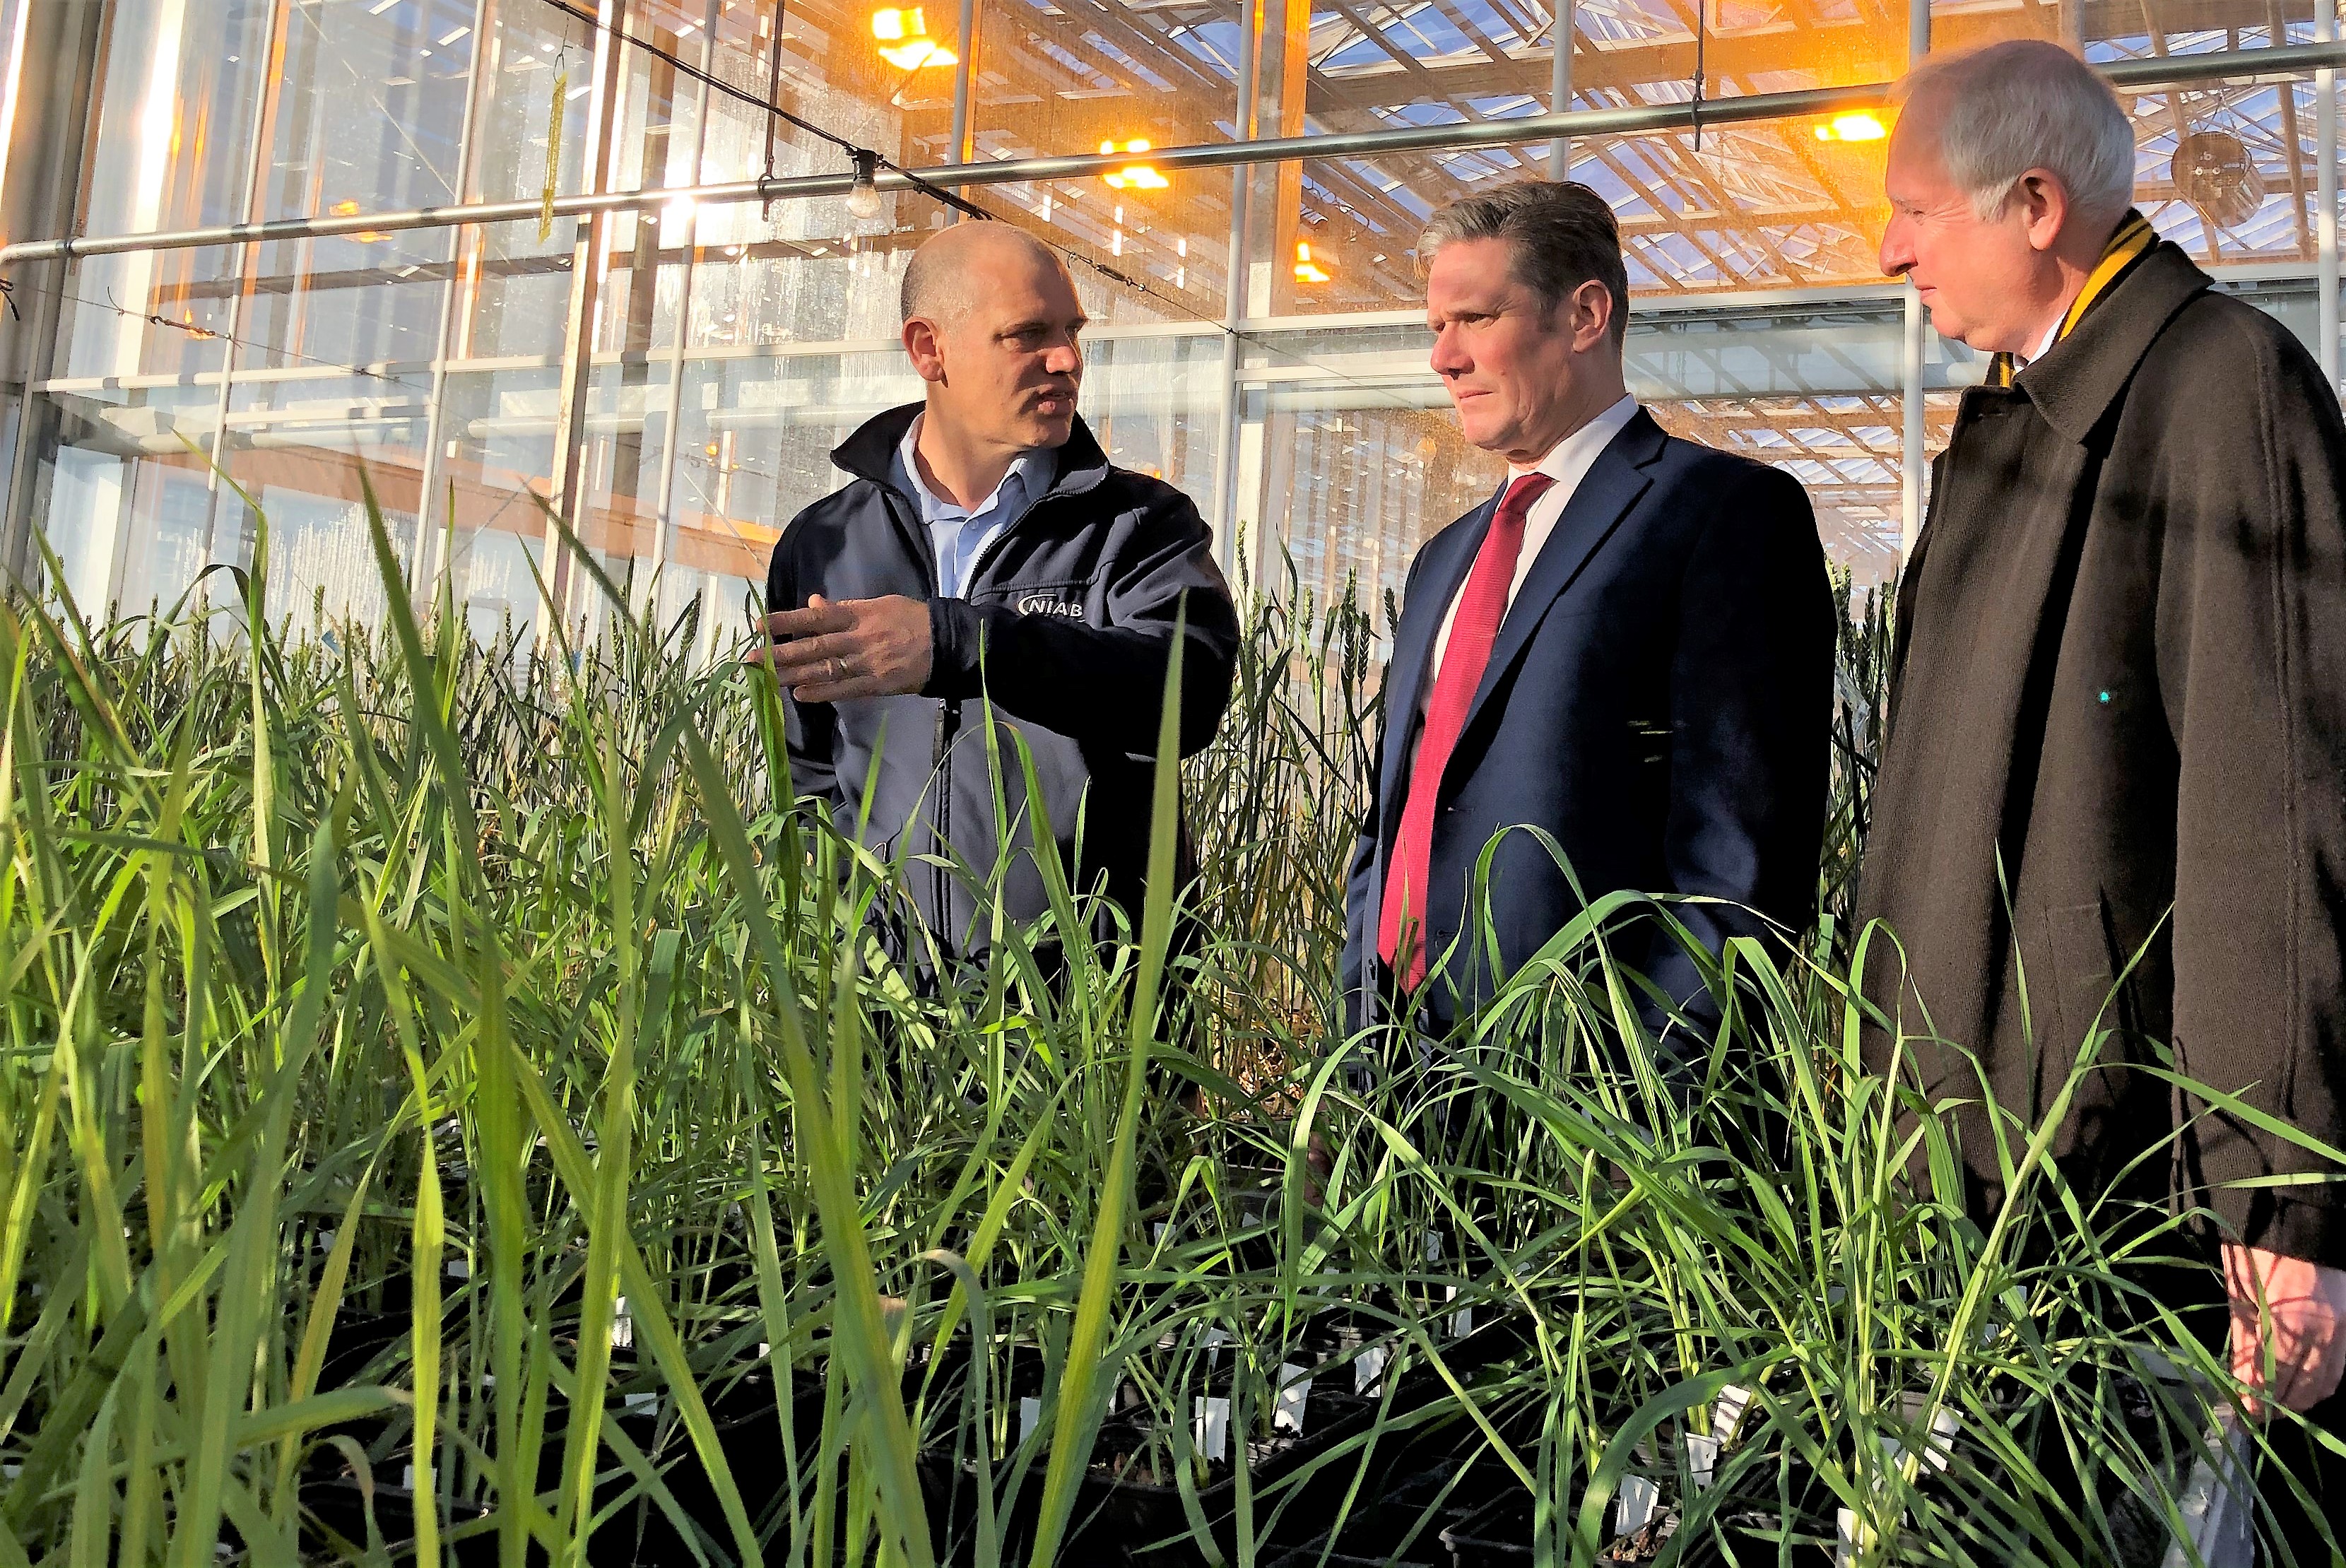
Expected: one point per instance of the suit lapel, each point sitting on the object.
(1450, 557)
(1613, 484)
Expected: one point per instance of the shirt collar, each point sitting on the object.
(1026, 468)
(1568, 459)
(2044, 344)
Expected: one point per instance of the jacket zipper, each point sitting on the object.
(948, 720)
(949, 711)
(948, 725)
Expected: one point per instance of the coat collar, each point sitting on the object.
(871, 451)
(2076, 384)
(1612, 485)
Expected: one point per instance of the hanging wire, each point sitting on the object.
(1701, 32)
(1172, 303)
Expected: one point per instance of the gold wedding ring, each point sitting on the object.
(838, 668)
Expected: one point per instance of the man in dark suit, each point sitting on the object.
(1629, 647)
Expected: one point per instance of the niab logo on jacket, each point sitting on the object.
(1047, 605)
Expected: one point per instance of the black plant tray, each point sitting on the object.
(641, 1535)
(1498, 1534)
(1139, 1521)
(337, 1509)
(1122, 1519)
(1398, 1522)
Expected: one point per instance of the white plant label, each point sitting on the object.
(1368, 1368)
(1702, 1459)
(1844, 1537)
(1294, 1387)
(642, 1404)
(1030, 1415)
(1634, 1506)
(1938, 1448)
(1213, 1428)
(1727, 1412)
(458, 1270)
(1461, 1322)
(2218, 1504)
(623, 1327)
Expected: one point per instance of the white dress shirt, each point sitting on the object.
(1567, 463)
(2044, 344)
(959, 534)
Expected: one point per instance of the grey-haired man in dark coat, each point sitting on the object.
(2114, 789)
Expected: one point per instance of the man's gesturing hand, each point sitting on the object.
(2305, 1305)
(856, 647)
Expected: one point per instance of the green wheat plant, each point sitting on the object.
(461, 1109)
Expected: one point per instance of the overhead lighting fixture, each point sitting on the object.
(863, 194)
(904, 41)
(1136, 176)
(351, 209)
(452, 37)
(1859, 125)
(1306, 270)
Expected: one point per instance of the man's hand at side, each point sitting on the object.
(2305, 1306)
(832, 652)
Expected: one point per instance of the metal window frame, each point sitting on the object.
(594, 207)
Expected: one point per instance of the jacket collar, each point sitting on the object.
(2076, 384)
(871, 451)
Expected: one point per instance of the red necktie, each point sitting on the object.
(1480, 607)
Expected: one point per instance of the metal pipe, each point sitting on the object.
(1234, 292)
(664, 504)
(424, 562)
(262, 131)
(1913, 468)
(1912, 472)
(964, 73)
(1559, 87)
(2243, 65)
(566, 498)
(2325, 265)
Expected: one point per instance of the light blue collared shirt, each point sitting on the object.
(960, 534)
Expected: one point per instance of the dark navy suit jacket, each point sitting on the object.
(1658, 701)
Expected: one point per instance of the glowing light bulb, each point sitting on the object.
(1306, 270)
(863, 194)
(903, 35)
(1135, 176)
(1859, 125)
